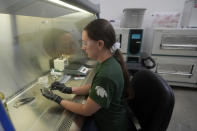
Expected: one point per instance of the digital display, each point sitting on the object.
(135, 36)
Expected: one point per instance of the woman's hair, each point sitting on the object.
(101, 29)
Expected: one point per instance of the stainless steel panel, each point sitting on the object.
(179, 47)
(177, 69)
(179, 42)
(28, 46)
(42, 114)
(175, 42)
(179, 74)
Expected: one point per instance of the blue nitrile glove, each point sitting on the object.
(61, 87)
(50, 95)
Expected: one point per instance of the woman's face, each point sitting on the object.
(89, 46)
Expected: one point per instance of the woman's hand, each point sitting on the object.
(51, 96)
(61, 87)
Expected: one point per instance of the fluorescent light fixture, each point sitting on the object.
(58, 2)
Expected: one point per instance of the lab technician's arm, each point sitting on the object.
(82, 90)
(87, 109)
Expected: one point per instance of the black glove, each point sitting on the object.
(50, 95)
(61, 87)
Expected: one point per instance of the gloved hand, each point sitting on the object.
(50, 95)
(61, 87)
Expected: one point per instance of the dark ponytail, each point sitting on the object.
(128, 92)
(101, 29)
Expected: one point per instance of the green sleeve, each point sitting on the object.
(102, 91)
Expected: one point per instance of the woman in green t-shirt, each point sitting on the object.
(106, 103)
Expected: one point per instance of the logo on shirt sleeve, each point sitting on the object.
(100, 91)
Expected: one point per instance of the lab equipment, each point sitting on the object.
(76, 69)
(23, 101)
(79, 78)
(133, 17)
(60, 63)
(174, 50)
(65, 78)
(43, 81)
(30, 53)
(130, 43)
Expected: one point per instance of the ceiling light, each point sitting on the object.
(58, 2)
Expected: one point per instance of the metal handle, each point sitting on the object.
(179, 46)
(175, 73)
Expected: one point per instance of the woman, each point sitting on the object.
(110, 86)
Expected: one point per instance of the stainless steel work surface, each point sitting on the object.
(41, 114)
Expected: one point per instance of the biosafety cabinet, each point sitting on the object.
(175, 52)
(32, 34)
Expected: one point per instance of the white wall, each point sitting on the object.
(112, 10)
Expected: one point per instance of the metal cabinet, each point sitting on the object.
(178, 42)
(175, 53)
(177, 69)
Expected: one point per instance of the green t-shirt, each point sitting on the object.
(107, 91)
